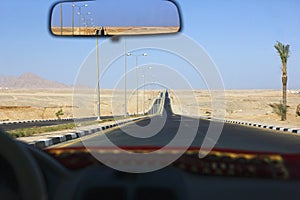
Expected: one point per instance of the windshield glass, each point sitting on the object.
(228, 80)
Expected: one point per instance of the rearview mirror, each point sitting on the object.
(114, 17)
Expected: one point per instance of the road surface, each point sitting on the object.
(232, 137)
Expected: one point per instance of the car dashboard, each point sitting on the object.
(73, 173)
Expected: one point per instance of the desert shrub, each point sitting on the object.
(278, 108)
(59, 113)
(298, 110)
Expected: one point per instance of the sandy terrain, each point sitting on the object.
(43, 104)
(113, 30)
(244, 105)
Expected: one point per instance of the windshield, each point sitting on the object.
(228, 80)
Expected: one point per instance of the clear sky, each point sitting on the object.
(239, 36)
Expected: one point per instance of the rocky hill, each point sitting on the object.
(29, 81)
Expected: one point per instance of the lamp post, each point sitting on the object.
(152, 91)
(137, 77)
(85, 21)
(92, 23)
(125, 71)
(73, 5)
(144, 76)
(98, 77)
(61, 21)
(78, 13)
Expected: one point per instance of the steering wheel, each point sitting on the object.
(28, 174)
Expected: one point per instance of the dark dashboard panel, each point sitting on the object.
(97, 181)
(185, 179)
(8, 183)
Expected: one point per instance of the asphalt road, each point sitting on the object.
(232, 137)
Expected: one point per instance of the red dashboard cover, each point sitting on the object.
(217, 162)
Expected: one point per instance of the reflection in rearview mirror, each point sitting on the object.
(114, 17)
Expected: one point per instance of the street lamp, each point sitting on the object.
(85, 21)
(144, 76)
(78, 13)
(98, 78)
(90, 32)
(61, 21)
(137, 78)
(125, 84)
(152, 90)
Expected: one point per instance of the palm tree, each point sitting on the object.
(283, 51)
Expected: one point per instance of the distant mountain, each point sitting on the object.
(29, 81)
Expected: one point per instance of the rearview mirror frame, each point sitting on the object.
(104, 29)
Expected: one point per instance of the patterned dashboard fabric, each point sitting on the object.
(216, 163)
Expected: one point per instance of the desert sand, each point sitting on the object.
(20, 104)
(244, 105)
(114, 30)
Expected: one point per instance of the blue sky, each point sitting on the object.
(238, 35)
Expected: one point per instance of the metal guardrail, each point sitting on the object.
(157, 105)
(11, 125)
